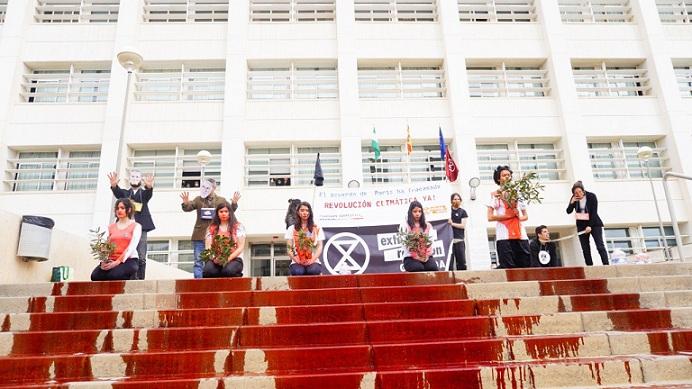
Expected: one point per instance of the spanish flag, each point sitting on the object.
(409, 142)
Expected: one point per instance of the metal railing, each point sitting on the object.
(77, 11)
(401, 83)
(508, 83)
(292, 10)
(185, 11)
(52, 174)
(65, 87)
(482, 11)
(180, 86)
(596, 11)
(674, 11)
(611, 82)
(291, 169)
(396, 10)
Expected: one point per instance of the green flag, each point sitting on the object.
(375, 144)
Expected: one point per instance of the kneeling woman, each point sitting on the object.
(122, 264)
(224, 223)
(421, 259)
(304, 240)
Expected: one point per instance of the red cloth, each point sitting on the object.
(514, 224)
(451, 169)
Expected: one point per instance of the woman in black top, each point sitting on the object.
(458, 223)
(585, 205)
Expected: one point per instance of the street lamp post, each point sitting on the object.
(644, 154)
(203, 157)
(130, 60)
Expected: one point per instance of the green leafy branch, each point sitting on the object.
(526, 189)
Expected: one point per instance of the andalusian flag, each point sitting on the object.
(409, 142)
(375, 144)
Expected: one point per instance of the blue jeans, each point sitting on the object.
(198, 247)
(300, 270)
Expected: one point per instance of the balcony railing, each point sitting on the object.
(52, 174)
(180, 86)
(177, 171)
(3, 10)
(296, 83)
(406, 83)
(622, 163)
(511, 11)
(684, 77)
(288, 169)
(185, 11)
(396, 10)
(292, 10)
(674, 11)
(64, 87)
(508, 83)
(549, 164)
(77, 11)
(397, 166)
(612, 82)
(595, 11)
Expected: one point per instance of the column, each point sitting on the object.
(349, 118)
(462, 131)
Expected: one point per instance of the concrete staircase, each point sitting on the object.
(601, 327)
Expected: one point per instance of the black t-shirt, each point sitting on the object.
(457, 215)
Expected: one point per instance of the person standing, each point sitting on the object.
(304, 261)
(140, 192)
(125, 233)
(543, 251)
(225, 224)
(511, 239)
(205, 204)
(458, 223)
(585, 207)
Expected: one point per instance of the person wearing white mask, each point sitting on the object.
(205, 204)
(140, 192)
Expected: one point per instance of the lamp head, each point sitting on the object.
(203, 157)
(645, 153)
(130, 59)
(474, 182)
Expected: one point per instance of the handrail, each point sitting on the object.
(671, 209)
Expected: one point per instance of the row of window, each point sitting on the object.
(65, 170)
(283, 11)
(296, 80)
(271, 259)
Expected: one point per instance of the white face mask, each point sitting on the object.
(135, 179)
(205, 189)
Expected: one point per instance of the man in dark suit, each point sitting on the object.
(140, 197)
(585, 205)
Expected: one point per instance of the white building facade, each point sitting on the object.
(567, 88)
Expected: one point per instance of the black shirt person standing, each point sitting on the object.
(458, 222)
(585, 206)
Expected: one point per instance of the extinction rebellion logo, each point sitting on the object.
(339, 254)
